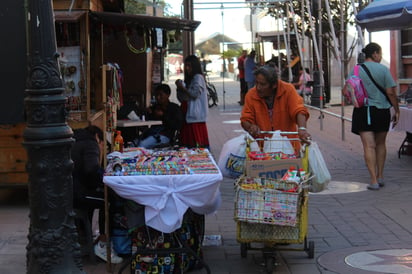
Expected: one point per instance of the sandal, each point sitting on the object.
(373, 187)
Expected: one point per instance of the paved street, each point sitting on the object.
(354, 230)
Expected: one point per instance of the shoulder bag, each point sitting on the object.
(365, 68)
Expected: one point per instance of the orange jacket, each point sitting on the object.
(287, 105)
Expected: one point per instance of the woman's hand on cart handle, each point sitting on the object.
(304, 135)
(253, 130)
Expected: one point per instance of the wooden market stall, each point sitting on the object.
(89, 35)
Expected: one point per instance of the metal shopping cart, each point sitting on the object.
(273, 211)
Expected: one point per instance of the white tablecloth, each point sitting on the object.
(167, 197)
(405, 120)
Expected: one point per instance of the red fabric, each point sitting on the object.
(194, 135)
(241, 67)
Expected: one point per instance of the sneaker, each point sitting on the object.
(100, 251)
(373, 187)
(381, 182)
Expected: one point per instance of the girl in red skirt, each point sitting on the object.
(192, 93)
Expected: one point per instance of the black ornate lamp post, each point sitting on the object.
(53, 246)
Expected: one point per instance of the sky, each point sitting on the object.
(231, 24)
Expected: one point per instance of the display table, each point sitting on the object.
(167, 197)
(404, 124)
(172, 185)
(405, 120)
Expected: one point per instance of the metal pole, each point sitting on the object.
(322, 82)
(287, 38)
(342, 69)
(188, 36)
(223, 57)
(105, 69)
(280, 67)
(52, 246)
(299, 40)
(316, 94)
(251, 29)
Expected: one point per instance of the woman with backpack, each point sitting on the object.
(371, 122)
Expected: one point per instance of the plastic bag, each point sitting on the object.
(278, 143)
(232, 157)
(318, 168)
(121, 241)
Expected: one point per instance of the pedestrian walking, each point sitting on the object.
(243, 85)
(372, 122)
(250, 66)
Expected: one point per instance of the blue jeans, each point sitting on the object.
(154, 140)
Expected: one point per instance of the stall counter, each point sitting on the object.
(167, 197)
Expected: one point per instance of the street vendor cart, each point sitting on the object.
(176, 188)
(271, 202)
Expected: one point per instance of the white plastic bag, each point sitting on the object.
(278, 143)
(318, 168)
(232, 157)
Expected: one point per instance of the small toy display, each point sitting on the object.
(269, 201)
(140, 161)
(146, 239)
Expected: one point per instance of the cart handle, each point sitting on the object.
(281, 132)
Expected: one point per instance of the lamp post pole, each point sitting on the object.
(223, 57)
(52, 246)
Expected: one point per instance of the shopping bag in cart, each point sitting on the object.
(232, 156)
(278, 143)
(318, 168)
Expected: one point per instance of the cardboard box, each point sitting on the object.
(271, 168)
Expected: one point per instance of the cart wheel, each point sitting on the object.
(311, 250)
(243, 250)
(270, 264)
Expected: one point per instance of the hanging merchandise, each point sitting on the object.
(111, 114)
(82, 82)
(116, 90)
(69, 62)
(114, 96)
(131, 47)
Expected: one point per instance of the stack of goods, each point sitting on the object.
(269, 201)
(140, 161)
(257, 155)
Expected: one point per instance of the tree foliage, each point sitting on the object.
(301, 9)
(339, 9)
(230, 53)
(139, 6)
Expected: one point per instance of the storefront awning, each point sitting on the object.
(386, 15)
(166, 23)
(121, 19)
(68, 16)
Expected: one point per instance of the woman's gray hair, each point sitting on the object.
(268, 72)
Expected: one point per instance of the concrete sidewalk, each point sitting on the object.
(343, 220)
(354, 230)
